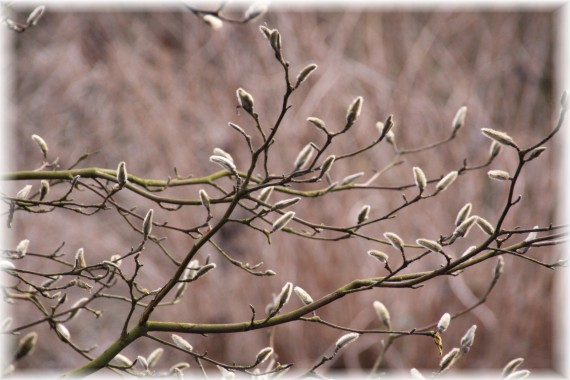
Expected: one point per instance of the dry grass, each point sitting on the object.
(156, 89)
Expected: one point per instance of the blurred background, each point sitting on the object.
(156, 88)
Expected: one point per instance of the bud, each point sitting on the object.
(285, 203)
(245, 100)
(44, 189)
(80, 259)
(24, 192)
(443, 323)
(458, 121)
(223, 153)
(351, 178)
(116, 259)
(303, 295)
(63, 331)
(385, 129)
(429, 245)
(531, 236)
(4, 264)
(469, 250)
(317, 123)
(255, 10)
(282, 221)
(237, 128)
(16, 27)
(465, 226)
(224, 163)
(485, 226)
(444, 183)
(518, 375)
(353, 111)
(204, 199)
(498, 136)
(154, 357)
(263, 355)
(122, 175)
(182, 343)
(327, 164)
(363, 214)
(511, 367)
(203, 270)
(264, 194)
(275, 41)
(265, 31)
(535, 153)
(416, 374)
(467, 339)
(147, 223)
(26, 345)
(225, 373)
(77, 306)
(395, 241)
(284, 296)
(499, 175)
(449, 358)
(179, 366)
(304, 155)
(143, 362)
(382, 313)
(420, 178)
(42, 144)
(463, 214)
(494, 150)
(345, 340)
(36, 15)
(380, 256)
(304, 74)
(124, 360)
(499, 267)
(213, 21)
(22, 248)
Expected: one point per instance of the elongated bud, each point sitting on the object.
(420, 178)
(147, 223)
(36, 15)
(444, 183)
(500, 137)
(304, 74)
(485, 226)
(203, 270)
(256, 9)
(303, 295)
(443, 323)
(469, 250)
(345, 340)
(26, 345)
(282, 221)
(224, 163)
(458, 121)
(63, 331)
(465, 226)
(416, 374)
(42, 144)
(353, 111)
(122, 175)
(535, 153)
(494, 150)
(237, 128)
(382, 313)
(213, 21)
(179, 366)
(245, 100)
(223, 153)
(265, 31)
(449, 359)
(351, 178)
(22, 248)
(24, 192)
(204, 199)
(154, 357)
(285, 203)
(467, 339)
(263, 355)
(317, 123)
(327, 165)
(385, 129)
(265, 193)
(531, 236)
(144, 363)
(15, 26)
(44, 189)
(80, 259)
(511, 367)
(182, 343)
(284, 296)
(275, 41)
(124, 360)
(430, 245)
(78, 304)
(522, 374)
(303, 157)
(395, 241)
(5, 264)
(499, 175)
(463, 214)
(378, 255)
(363, 214)
(499, 267)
